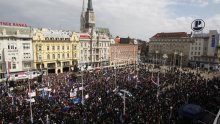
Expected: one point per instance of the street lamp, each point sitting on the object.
(181, 54)
(165, 57)
(174, 59)
(181, 57)
(30, 102)
(156, 55)
(171, 110)
(115, 75)
(82, 88)
(124, 104)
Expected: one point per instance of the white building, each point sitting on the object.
(94, 51)
(203, 52)
(15, 48)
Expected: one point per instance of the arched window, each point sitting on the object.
(48, 56)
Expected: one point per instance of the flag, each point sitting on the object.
(32, 94)
(76, 101)
(30, 100)
(73, 94)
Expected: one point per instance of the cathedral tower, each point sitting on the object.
(89, 18)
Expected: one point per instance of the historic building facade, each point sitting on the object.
(123, 51)
(94, 50)
(15, 48)
(55, 51)
(203, 52)
(170, 48)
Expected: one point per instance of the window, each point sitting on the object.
(27, 65)
(0, 56)
(198, 53)
(195, 53)
(62, 47)
(68, 55)
(53, 56)
(74, 47)
(39, 48)
(75, 55)
(48, 47)
(13, 58)
(58, 47)
(199, 48)
(26, 46)
(81, 51)
(195, 48)
(39, 57)
(48, 56)
(68, 47)
(14, 66)
(63, 56)
(53, 47)
(9, 47)
(58, 56)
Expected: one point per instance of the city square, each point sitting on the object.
(61, 75)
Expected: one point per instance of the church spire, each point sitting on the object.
(90, 8)
(83, 7)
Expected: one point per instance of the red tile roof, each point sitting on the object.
(170, 35)
(83, 36)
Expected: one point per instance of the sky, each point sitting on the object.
(140, 19)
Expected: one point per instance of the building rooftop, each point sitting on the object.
(84, 35)
(48, 33)
(15, 31)
(200, 35)
(170, 35)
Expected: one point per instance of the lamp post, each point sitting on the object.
(181, 54)
(124, 104)
(171, 111)
(115, 75)
(181, 59)
(165, 57)
(187, 98)
(174, 59)
(82, 88)
(30, 103)
(156, 55)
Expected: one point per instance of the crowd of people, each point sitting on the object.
(155, 96)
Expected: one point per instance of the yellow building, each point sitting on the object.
(55, 51)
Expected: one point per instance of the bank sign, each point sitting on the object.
(12, 24)
(198, 25)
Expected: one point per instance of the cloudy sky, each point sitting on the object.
(135, 18)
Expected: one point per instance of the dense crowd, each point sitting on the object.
(156, 96)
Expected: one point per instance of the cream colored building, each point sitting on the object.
(55, 51)
(170, 48)
(15, 49)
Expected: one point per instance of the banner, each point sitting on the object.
(213, 41)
